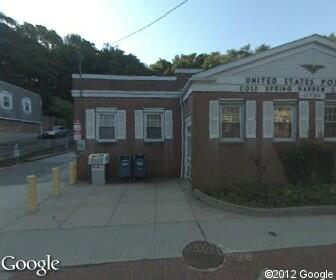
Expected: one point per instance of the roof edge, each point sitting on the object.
(272, 51)
(188, 70)
(20, 88)
(121, 77)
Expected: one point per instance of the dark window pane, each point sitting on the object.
(154, 133)
(153, 126)
(107, 126)
(154, 120)
(106, 133)
(283, 121)
(230, 130)
(230, 121)
(282, 130)
(6, 101)
(330, 122)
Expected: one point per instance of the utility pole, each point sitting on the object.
(80, 101)
(80, 58)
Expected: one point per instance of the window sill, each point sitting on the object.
(154, 141)
(288, 140)
(330, 139)
(231, 141)
(106, 140)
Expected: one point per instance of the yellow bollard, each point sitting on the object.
(71, 174)
(31, 193)
(56, 189)
(75, 170)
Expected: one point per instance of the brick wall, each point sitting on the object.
(163, 159)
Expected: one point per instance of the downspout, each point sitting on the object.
(183, 90)
(182, 136)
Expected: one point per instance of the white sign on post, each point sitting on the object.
(77, 130)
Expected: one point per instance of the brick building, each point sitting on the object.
(213, 126)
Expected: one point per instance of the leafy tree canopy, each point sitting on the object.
(38, 59)
(203, 60)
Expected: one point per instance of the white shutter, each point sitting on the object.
(138, 118)
(303, 119)
(319, 119)
(121, 124)
(268, 119)
(168, 117)
(214, 119)
(251, 119)
(90, 123)
(97, 125)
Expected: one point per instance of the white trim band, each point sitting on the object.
(19, 120)
(126, 94)
(120, 77)
(188, 70)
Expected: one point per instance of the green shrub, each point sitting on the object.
(307, 162)
(271, 195)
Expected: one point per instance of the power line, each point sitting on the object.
(148, 25)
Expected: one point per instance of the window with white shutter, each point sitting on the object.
(284, 117)
(304, 119)
(154, 126)
(90, 124)
(214, 119)
(250, 119)
(319, 119)
(138, 124)
(330, 120)
(168, 119)
(106, 125)
(231, 121)
(268, 119)
(121, 124)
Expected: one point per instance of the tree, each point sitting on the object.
(112, 60)
(8, 21)
(262, 48)
(38, 59)
(162, 67)
(332, 36)
(212, 60)
(204, 61)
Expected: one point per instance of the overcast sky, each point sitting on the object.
(197, 26)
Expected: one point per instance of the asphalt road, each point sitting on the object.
(16, 175)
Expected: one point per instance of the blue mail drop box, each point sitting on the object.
(125, 166)
(139, 168)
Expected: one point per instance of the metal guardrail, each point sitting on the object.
(21, 148)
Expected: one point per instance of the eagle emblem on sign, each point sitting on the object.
(312, 68)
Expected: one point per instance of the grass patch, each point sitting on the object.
(276, 196)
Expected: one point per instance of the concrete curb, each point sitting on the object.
(263, 212)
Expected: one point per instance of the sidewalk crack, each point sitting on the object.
(107, 226)
(192, 210)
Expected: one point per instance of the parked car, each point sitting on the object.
(56, 131)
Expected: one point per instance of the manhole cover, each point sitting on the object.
(203, 255)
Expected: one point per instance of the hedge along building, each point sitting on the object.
(216, 126)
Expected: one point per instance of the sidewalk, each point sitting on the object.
(130, 221)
